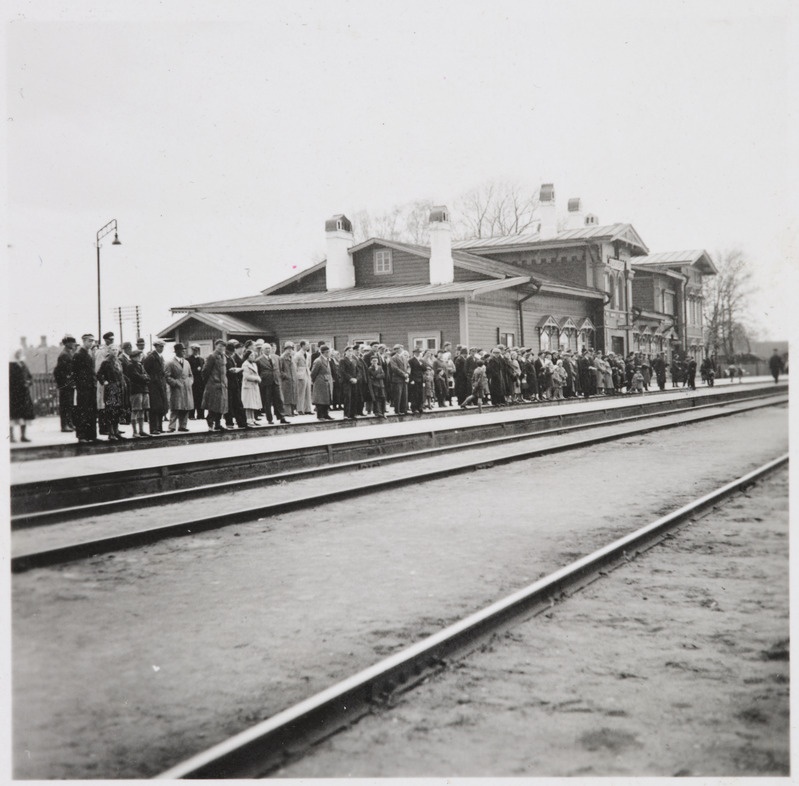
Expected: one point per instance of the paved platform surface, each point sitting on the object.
(275, 440)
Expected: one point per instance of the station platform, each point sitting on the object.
(166, 451)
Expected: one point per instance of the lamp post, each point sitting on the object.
(110, 227)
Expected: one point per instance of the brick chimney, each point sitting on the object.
(546, 210)
(23, 342)
(43, 342)
(442, 268)
(576, 217)
(339, 270)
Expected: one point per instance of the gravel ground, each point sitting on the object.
(125, 664)
(674, 665)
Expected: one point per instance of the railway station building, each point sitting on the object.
(551, 289)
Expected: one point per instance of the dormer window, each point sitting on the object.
(383, 264)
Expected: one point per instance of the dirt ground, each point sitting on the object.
(674, 665)
(127, 663)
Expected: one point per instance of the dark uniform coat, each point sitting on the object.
(215, 376)
(321, 381)
(20, 381)
(154, 366)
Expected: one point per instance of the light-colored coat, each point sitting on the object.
(180, 380)
(303, 380)
(322, 378)
(288, 379)
(250, 386)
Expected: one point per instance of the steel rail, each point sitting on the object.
(152, 499)
(268, 745)
(137, 538)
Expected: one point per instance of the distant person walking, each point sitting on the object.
(776, 365)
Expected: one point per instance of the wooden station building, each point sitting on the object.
(549, 289)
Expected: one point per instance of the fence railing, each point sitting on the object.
(44, 393)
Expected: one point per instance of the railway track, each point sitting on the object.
(483, 454)
(61, 499)
(271, 744)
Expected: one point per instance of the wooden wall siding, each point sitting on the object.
(467, 275)
(391, 322)
(407, 269)
(192, 330)
(315, 282)
(566, 266)
(644, 293)
(500, 310)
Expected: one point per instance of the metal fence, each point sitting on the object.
(44, 393)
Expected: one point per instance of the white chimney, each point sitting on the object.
(576, 218)
(442, 268)
(339, 269)
(546, 210)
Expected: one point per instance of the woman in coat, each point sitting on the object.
(322, 383)
(288, 379)
(20, 402)
(250, 388)
(215, 393)
(110, 376)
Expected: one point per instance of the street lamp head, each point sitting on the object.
(116, 241)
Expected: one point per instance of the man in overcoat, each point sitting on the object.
(180, 379)
(215, 394)
(269, 371)
(100, 354)
(65, 380)
(322, 383)
(398, 375)
(156, 387)
(348, 376)
(495, 374)
(235, 409)
(85, 391)
(416, 369)
(775, 365)
(196, 361)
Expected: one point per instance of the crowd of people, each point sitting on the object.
(102, 386)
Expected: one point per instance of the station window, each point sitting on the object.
(424, 342)
(668, 302)
(383, 264)
(508, 339)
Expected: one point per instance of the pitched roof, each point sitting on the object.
(223, 322)
(609, 232)
(359, 296)
(698, 257)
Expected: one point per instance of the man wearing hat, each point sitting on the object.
(100, 354)
(198, 386)
(235, 416)
(156, 387)
(179, 378)
(398, 380)
(416, 381)
(83, 373)
(65, 380)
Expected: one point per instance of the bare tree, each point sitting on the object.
(725, 301)
(408, 223)
(496, 207)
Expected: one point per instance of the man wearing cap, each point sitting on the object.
(85, 391)
(215, 398)
(416, 381)
(235, 415)
(179, 377)
(288, 378)
(156, 387)
(65, 380)
(100, 354)
(348, 376)
(196, 362)
(398, 377)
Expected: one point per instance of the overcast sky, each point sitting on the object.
(221, 136)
